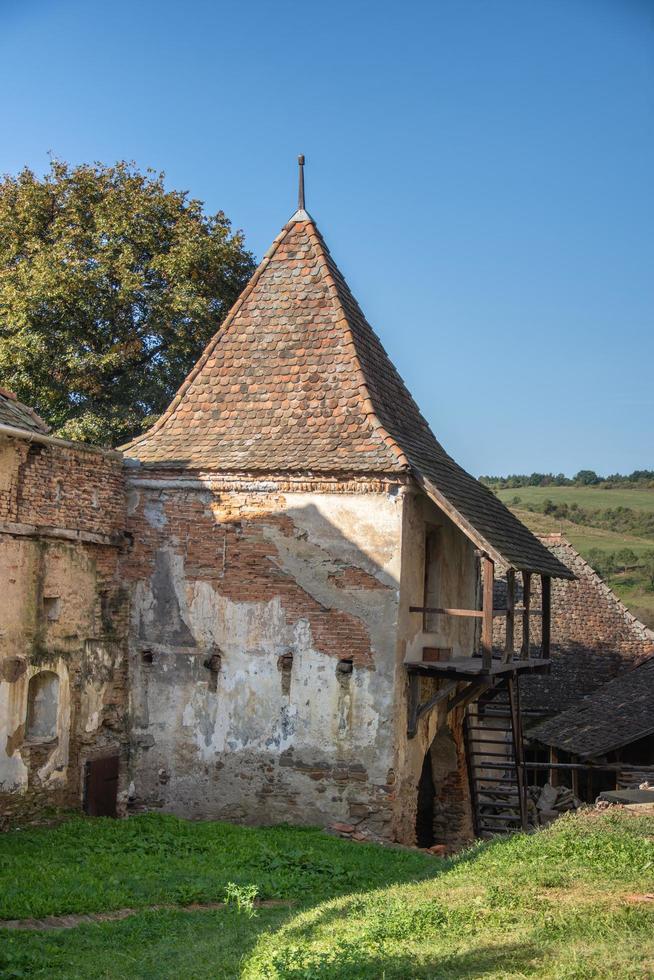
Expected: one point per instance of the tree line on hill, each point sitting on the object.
(584, 478)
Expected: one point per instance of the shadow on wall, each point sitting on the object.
(264, 644)
(298, 555)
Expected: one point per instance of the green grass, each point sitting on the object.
(551, 905)
(630, 588)
(593, 498)
(95, 865)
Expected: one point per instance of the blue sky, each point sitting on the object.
(481, 169)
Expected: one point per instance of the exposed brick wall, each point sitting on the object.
(48, 495)
(57, 486)
(593, 636)
(225, 541)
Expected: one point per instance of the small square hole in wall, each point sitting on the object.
(147, 657)
(52, 607)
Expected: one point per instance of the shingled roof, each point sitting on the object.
(19, 416)
(297, 380)
(616, 714)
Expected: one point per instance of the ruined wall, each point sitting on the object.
(453, 581)
(62, 612)
(594, 637)
(263, 647)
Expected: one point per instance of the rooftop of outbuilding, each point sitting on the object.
(19, 416)
(616, 714)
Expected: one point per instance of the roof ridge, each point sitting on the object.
(367, 406)
(211, 346)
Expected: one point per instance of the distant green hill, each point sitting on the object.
(628, 510)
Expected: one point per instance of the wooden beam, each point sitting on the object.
(488, 576)
(472, 692)
(413, 703)
(437, 610)
(477, 613)
(526, 603)
(416, 710)
(510, 615)
(546, 589)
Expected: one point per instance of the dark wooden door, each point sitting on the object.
(101, 786)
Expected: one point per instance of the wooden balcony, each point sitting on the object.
(467, 678)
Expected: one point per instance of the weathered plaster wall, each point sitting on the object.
(263, 648)
(63, 610)
(453, 581)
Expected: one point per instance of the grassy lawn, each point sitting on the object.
(556, 904)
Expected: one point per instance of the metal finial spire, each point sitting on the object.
(300, 191)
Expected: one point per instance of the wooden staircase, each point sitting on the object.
(496, 764)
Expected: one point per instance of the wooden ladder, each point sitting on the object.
(496, 766)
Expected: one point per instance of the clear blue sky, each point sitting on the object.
(482, 170)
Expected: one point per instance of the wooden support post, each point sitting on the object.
(413, 704)
(526, 604)
(546, 591)
(553, 774)
(488, 577)
(510, 615)
(518, 747)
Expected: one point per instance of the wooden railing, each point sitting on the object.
(487, 613)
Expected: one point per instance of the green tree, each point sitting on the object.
(648, 569)
(110, 287)
(586, 478)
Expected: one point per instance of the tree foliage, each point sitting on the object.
(110, 287)
(584, 478)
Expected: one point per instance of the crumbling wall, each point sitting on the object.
(263, 647)
(455, 583)
(62, 612)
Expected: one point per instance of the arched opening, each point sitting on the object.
(42, 706)
(425, 807)
(443, 814)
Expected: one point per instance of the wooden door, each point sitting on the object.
(101, 791)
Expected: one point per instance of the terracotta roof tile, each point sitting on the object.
(296, 379)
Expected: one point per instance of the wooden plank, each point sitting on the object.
(546, 588)
(510, 615)
(469, 668)
(488, 577)
(440, 611)
(526, 588)
(445, 611)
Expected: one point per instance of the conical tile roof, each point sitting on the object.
(297, 380)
